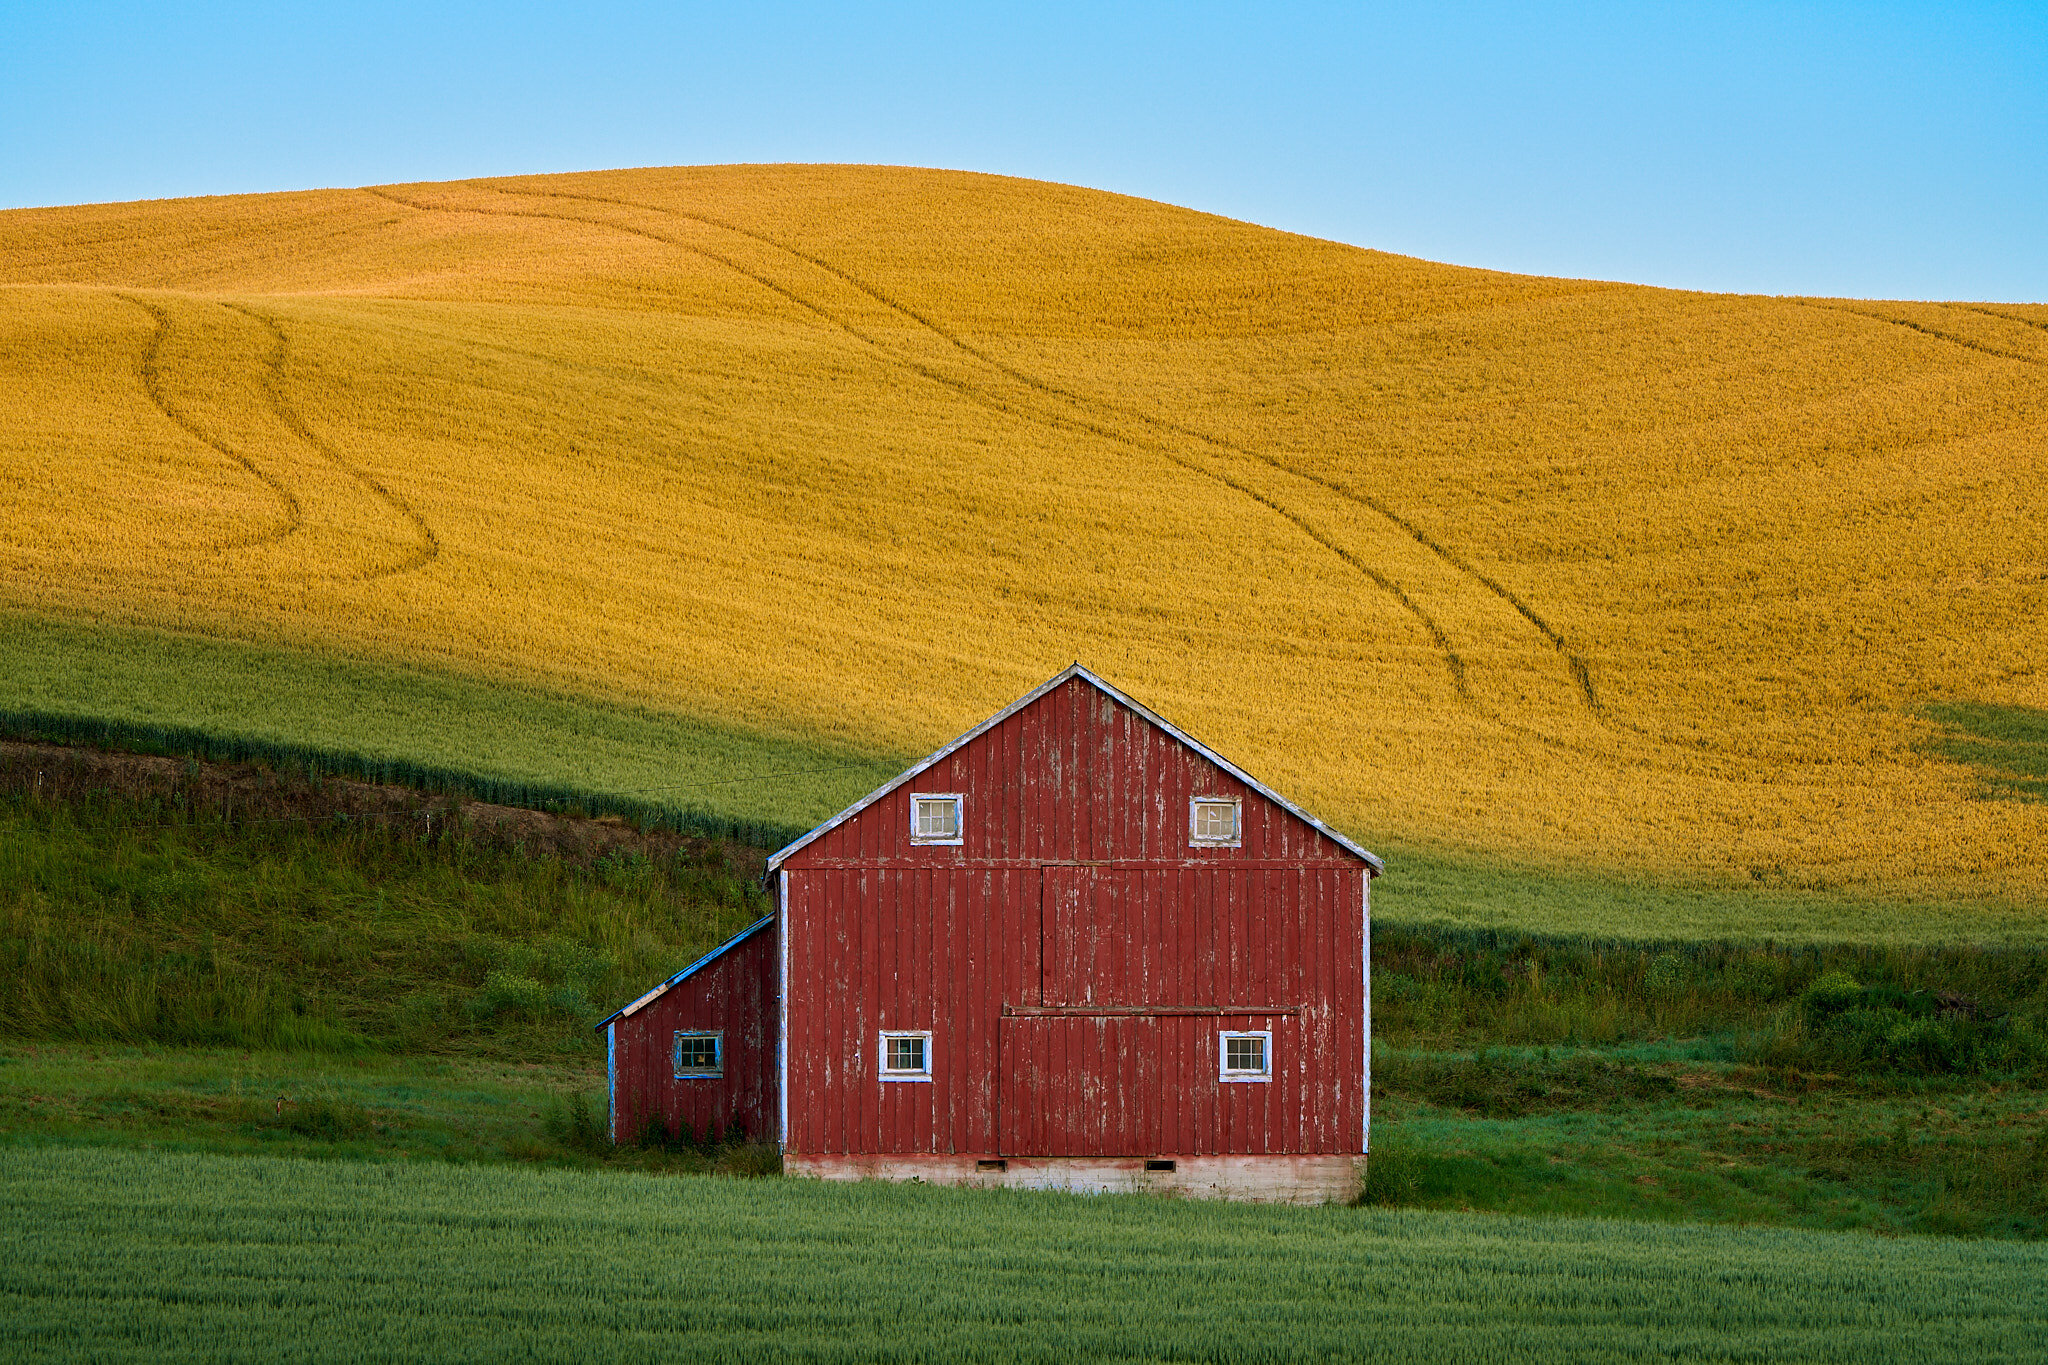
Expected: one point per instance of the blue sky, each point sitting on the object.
(1874, 150)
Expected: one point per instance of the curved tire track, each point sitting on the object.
(1453, 662)
(152, 384)
(273, 385)
(1576, 664)
(1934, 332)
(2006, 317)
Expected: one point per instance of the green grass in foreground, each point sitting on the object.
(1657, 1133)
(185, 694)
(1650, 1133)
(301, 1104)
(129, 1255)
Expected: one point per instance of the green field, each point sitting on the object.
(187, 694)
(1646, 1132)
(125, 1255)
(209, 967)
(230, 961)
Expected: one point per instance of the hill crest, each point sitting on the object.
(1558, 571)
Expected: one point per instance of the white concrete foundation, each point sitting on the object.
(1250, 1179)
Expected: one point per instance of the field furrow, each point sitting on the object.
(150, 371)
(275, 366)
(1383, 564)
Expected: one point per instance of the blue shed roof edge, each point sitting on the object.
(686, 973)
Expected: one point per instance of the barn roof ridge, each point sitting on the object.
(1075, 670)
(686, 973)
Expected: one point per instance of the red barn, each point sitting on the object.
(1072, 949)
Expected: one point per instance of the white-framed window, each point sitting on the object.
(935, 817)
(699, 1052)
(906, 1055)
(1244, 1056)
(1213, 821)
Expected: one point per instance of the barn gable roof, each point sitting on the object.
(1076, 671)
(686, 973)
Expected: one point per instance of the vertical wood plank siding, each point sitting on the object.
(1074, 887)
(735, 994)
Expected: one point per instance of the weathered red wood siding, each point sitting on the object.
(1075, 889)
(736, 993)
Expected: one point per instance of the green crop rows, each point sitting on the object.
(230, 701)
(126, 1255)
(179, 694)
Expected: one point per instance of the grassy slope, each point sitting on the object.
(361, 713)
(171, 977)
(1645, 1134)
(1654, 1133)
(343, 1259)
(1525, 573)
(434, 1108)
(173, 692)
(175, 918)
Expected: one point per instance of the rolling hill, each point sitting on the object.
(805, 469)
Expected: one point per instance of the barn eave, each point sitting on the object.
(686, 973)
(1373, 864)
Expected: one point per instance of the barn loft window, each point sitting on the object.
(935, 818)
(1245, 1056)
(1212, 820)
(906, 1056)
(699, 1053)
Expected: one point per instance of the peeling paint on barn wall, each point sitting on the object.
(731, 992)
(782, 1009)
(1093, 905)
(1076, 953)
(1365, 1008)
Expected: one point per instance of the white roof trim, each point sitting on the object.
(1076, 671)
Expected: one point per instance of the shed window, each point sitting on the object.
(699, 1053)
(906, 1056)
(1213, 820)
(935, 818)
(1245, 1056)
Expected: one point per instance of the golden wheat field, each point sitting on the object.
(1563, 571)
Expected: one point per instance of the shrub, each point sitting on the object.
(1923, 1032)
(504, 992)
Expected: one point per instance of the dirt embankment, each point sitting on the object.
(245, 793)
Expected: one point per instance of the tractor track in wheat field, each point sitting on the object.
(1575, 663)
(1936, 333)
(1083, 415)
(273, 380)
(150, 374)
(293, 421)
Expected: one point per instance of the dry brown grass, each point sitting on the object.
(1565, 570)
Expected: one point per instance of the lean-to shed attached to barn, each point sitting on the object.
(1074, 948)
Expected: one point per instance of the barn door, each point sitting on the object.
(1081, 1085)
(1094, 1065)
